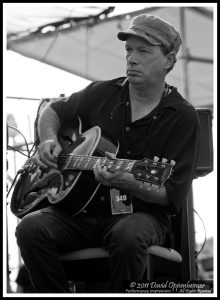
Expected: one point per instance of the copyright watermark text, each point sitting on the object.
(188, 287)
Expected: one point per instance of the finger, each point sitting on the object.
(98, 173)
(36, 160)
(46, 153)
(56, 151)
(46, 150)
(97, 168)
(51, 164)
(147, 186)
(48, 162)
(110, 155)
(141, 184)
(106, 174)
(101, 174)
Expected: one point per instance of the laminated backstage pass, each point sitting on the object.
(121, 202)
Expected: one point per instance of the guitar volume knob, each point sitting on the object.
(153, 172)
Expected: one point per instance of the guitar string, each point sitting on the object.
(122, 163)
(89, 161)
(108, 160)
(122, 167)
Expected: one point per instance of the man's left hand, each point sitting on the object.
(107, 178)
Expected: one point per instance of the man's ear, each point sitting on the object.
(171, 59)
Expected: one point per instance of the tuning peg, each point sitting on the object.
(156, 159)
(164, 160)
(173, 162)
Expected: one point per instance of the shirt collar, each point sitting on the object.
(121, 81)
(173, 99)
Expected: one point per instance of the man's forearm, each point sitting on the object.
(148, 193)
(49, 124)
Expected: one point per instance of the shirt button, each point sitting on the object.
(127, 128)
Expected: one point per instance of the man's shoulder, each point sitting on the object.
(100, 84)
(179, 101)
(184, 110)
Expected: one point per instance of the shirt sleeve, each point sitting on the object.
(183, 147)
(75, 105)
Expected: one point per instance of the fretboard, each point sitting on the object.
(83, 162)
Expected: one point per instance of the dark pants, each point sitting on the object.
(43, 235)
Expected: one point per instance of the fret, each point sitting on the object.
(86, 164)
(110, 167)
(145, 171)
(118, 165)
(89, 163)
(67, 162)
(75, 162)
(82, 162)
(92, 162)
(62, 162)
(129, 165)
(104, 161)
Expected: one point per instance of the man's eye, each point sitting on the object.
(145, 51)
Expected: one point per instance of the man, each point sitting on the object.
(150, 119)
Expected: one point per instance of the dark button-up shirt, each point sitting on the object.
(170, 131)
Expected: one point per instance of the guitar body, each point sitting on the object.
(38, 188)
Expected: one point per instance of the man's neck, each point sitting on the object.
(143, 101)
(146, 95)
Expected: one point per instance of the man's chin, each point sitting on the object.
(134, 79)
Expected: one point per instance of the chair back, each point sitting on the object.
(183, 222)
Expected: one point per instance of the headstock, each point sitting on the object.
(152, 171)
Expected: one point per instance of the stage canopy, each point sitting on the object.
(83, 40)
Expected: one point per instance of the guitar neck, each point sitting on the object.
(83, 162)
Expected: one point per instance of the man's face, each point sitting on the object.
(145, 62)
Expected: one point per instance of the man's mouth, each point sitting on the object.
(132, 72)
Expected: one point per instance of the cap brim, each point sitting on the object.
(123, 35)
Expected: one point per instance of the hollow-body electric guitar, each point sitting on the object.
(74, 181)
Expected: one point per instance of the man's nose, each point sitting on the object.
(132, 58)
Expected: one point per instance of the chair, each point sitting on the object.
(89, 270)
(162, 263)
(91, 267)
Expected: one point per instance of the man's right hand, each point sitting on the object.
(47, 154)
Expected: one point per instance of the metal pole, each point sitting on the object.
(87, 51)
(22, 98)
(185, 53)
(189, 201)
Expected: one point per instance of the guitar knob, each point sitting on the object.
(153, 172)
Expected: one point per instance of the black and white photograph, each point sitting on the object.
(109, 150)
